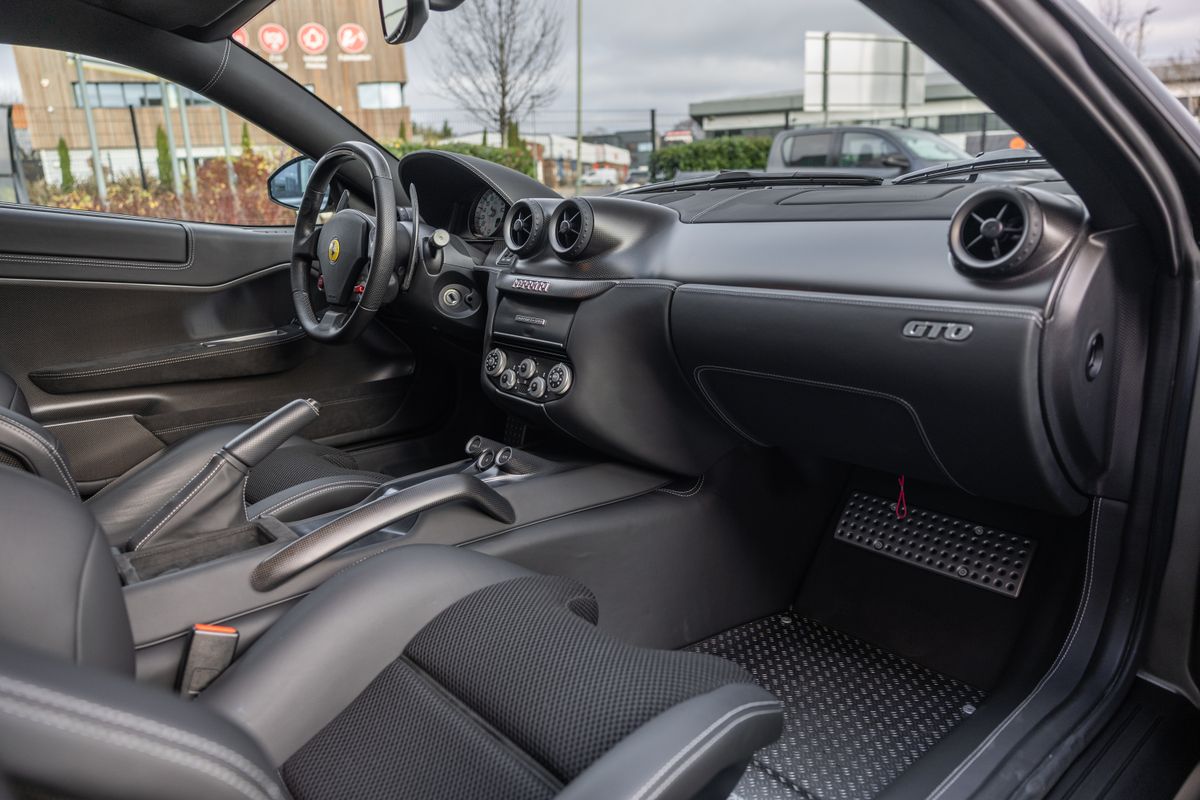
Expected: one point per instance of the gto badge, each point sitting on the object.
(335, 249)
(951, 331)
(530, 285)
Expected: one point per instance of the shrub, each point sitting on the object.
(64, 166)
(166, 164)
(710, 155)
(511, 157)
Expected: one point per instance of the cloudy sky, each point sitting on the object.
(665, 54)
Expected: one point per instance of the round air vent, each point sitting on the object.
(571, 228)
(995, 231)
(525, 228)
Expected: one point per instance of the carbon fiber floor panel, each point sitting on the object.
(856, 716)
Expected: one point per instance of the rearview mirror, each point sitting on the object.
(286, 184)
(402, 19)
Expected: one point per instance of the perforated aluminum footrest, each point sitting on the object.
(982, 556)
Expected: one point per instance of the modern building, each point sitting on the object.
(639, 143)
(864, 79)
(947, 108)
(334, 48)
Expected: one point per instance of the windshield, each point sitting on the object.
(930, 147)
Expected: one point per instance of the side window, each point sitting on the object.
(151, 148)
(807, 150)
(864, 150)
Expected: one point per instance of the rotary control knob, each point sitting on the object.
(526, 368)
(558, 380)
(508, 379)
(495, 362)
(537, 387)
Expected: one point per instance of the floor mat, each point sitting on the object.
(856, 716)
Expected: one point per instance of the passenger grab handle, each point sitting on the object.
(366, 519)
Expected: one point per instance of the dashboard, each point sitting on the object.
(867, 324)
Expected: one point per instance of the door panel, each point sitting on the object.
(120, 358)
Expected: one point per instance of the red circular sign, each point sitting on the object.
(241, 37)
(273, 37)
(352, 37)
(312, 38)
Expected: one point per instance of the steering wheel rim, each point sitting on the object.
(343, 321)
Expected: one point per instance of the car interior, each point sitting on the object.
(784, 486)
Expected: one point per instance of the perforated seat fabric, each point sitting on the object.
(514, 686)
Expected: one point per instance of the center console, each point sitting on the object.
(232, 576)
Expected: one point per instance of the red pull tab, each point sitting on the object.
(901, 502)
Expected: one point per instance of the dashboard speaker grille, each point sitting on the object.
(979, 555)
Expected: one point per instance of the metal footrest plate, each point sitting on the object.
(982, 556)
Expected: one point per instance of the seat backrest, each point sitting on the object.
(27, 446)
(59, 590)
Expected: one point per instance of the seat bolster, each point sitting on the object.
(312, 663)
(59, 590)
(696, 749)
(85, 733)
(11, 396)
(37, 448)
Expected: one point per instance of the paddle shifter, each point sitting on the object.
(212, 499)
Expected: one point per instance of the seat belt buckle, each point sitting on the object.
(210, 652)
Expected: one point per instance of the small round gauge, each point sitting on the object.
(488, 214)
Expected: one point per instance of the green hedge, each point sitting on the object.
(710, 155)
(511, 157)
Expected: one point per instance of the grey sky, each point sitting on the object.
(666, 54)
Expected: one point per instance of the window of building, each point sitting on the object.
(183, 159)
(864, 150)
(807, 150)
(381, 94)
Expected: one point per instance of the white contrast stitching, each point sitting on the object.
(1058, 662)
(730, 719)
(55, 457)
(178, 505)
(833, 299)
(692, 492)
(311, 491)
(912, 412)
(23, 694)
(220, 69)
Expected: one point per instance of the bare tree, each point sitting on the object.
(1131, 27)
(497, 57)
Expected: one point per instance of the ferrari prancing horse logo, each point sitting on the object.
(335, 249)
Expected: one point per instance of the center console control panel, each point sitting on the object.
(527, 375)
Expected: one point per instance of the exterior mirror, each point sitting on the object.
(895, 160)
(402, 19)
(286, 184)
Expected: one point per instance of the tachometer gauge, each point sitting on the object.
(488, 214)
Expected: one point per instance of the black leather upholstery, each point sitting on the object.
(78, 729)
(59, 592)
(11, 396)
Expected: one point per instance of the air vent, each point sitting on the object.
(995, 231)
(525, 228)
(571, 228)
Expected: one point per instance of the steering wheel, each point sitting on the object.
(353, 253)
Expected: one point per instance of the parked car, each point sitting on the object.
(882, 152)
(605, 176)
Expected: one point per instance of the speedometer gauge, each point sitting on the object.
(488, 214)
